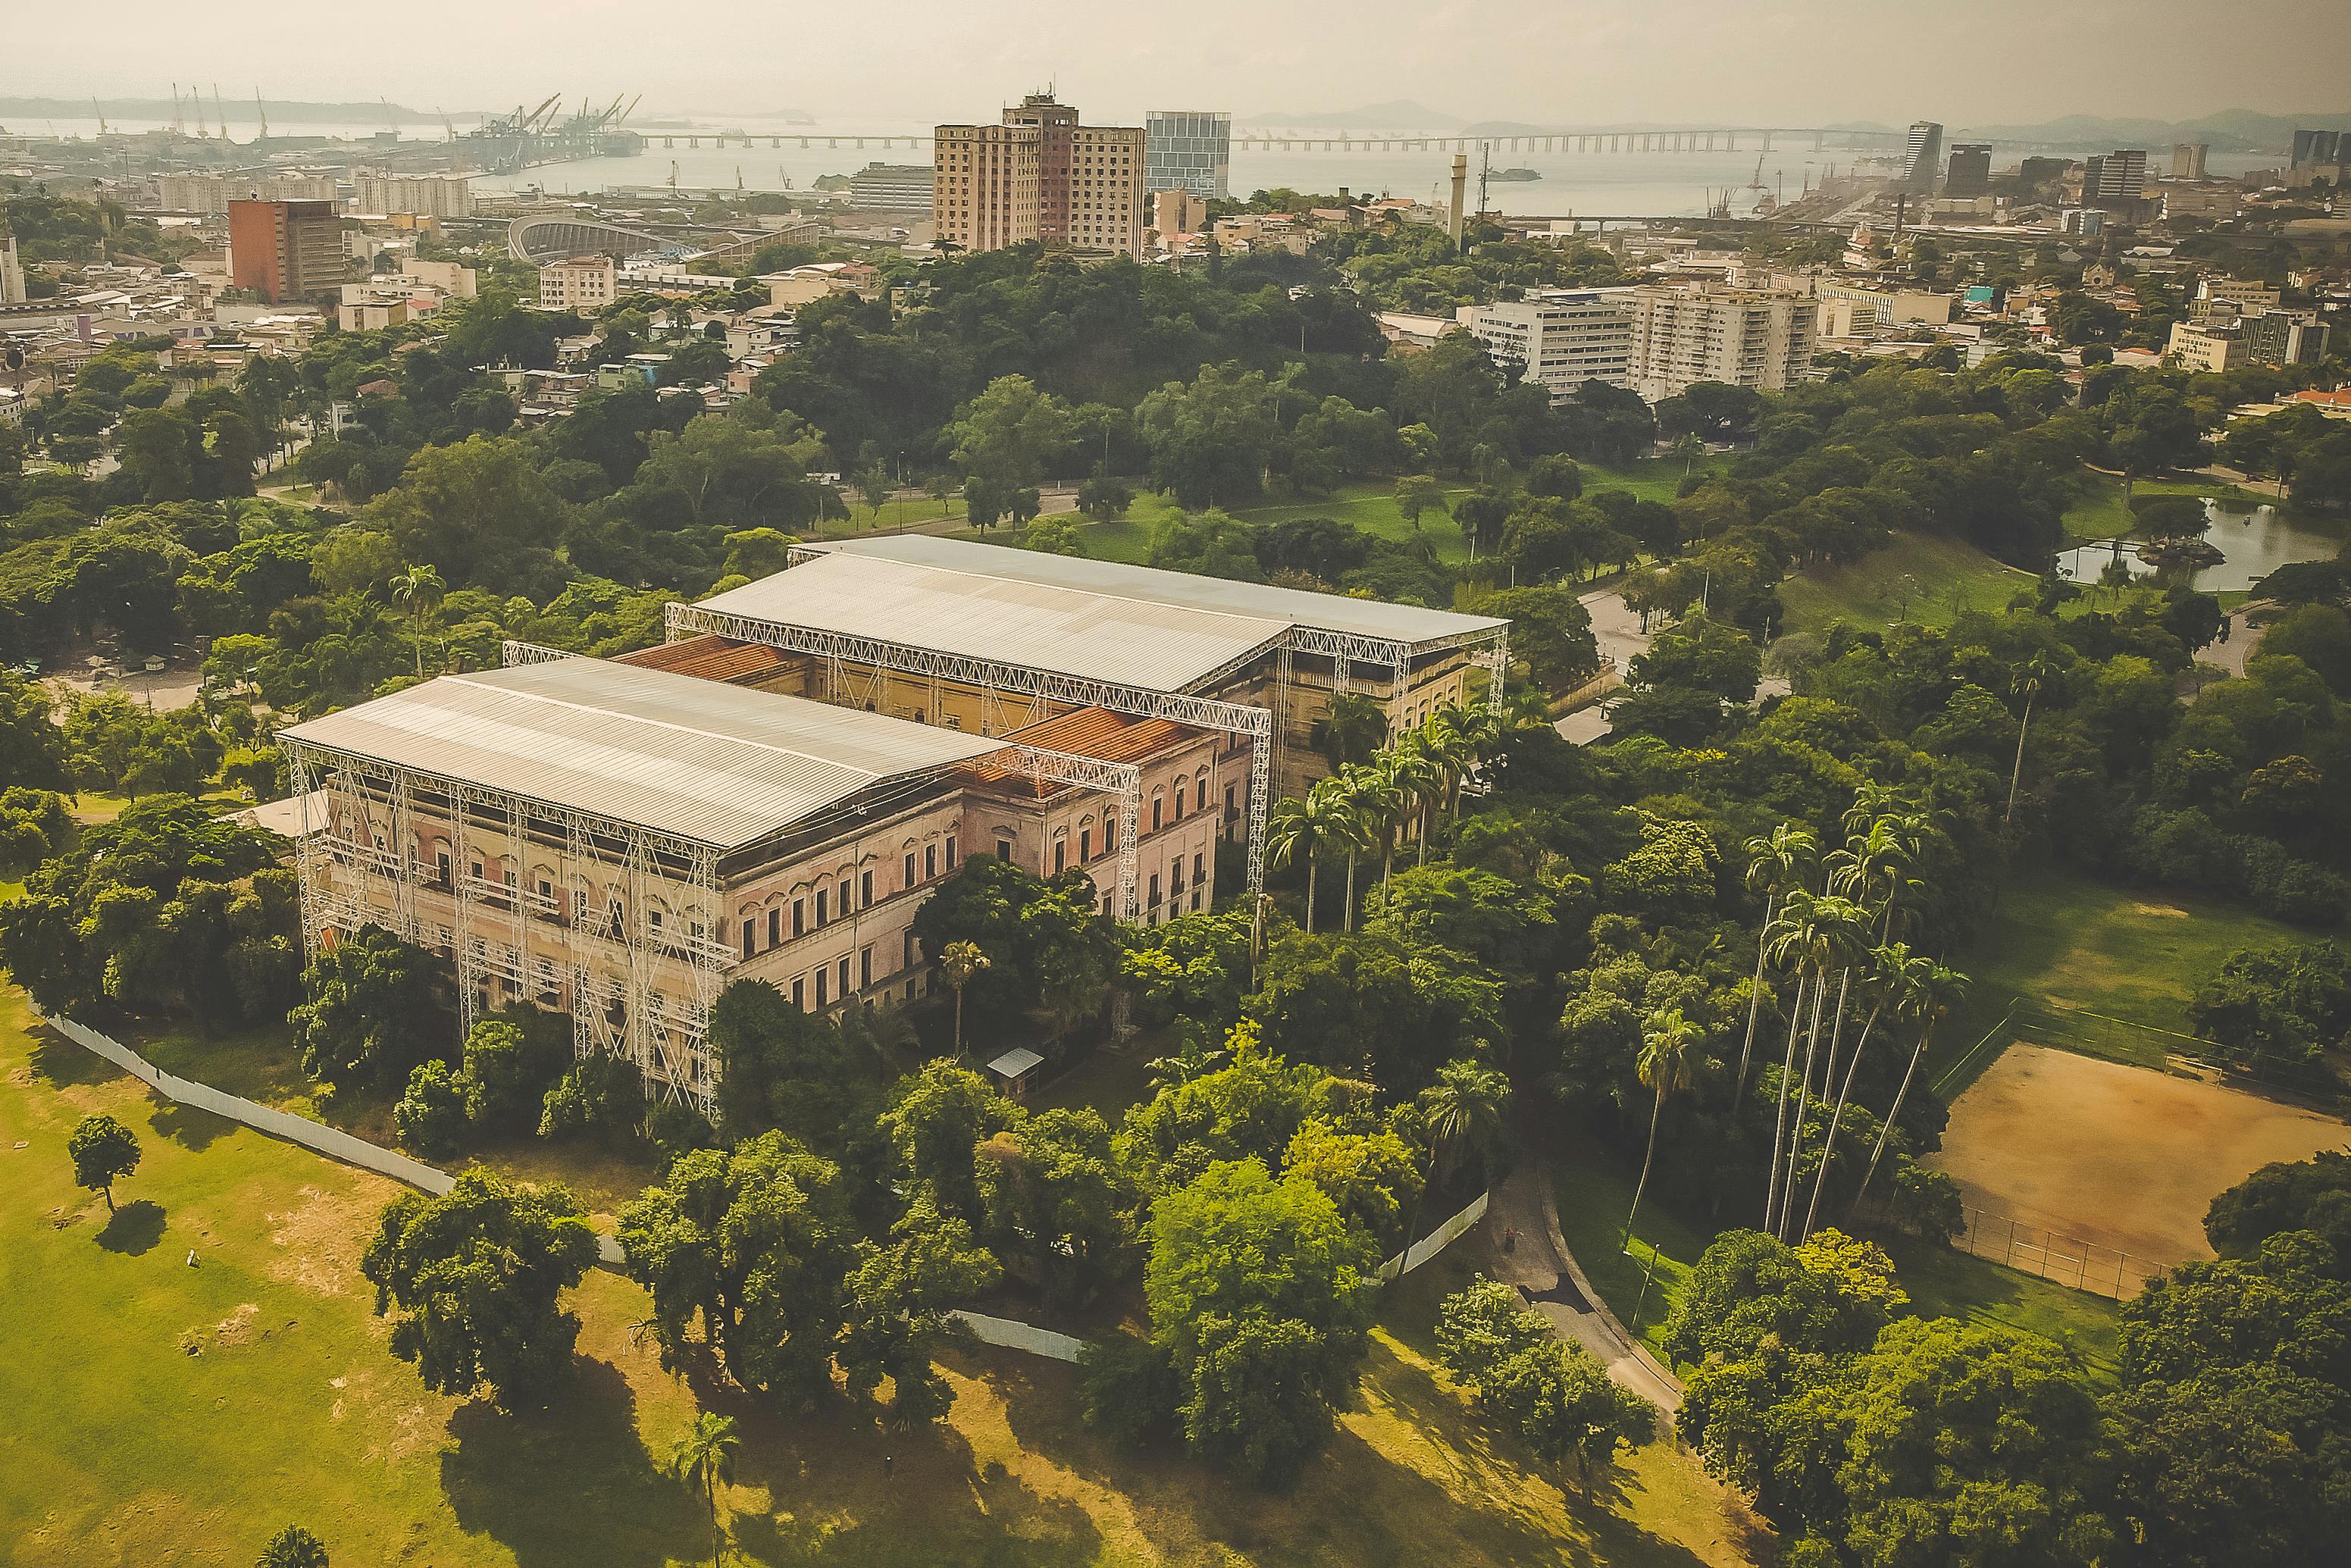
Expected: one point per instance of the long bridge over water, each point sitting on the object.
(1723, 139)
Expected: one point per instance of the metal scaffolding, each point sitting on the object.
(360, 864)
(993, 677)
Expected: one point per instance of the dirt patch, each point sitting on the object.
(237, 1328)
(320, 1243)
(2159, 911)
(2120, 1156)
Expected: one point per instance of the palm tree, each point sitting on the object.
(1775, 865)
(1449, 736)
(958, 963)
(1415, 769)
(2037, 672)
(1896, 977)
(1299, 830)
(1943, 989)
(1386, 804)
(1669, 1060)
(704, 1457)
(1463, 1110)
(1353, 811)
(1356, 726)
(1816, 934)
(421, 589)
(1690, 449)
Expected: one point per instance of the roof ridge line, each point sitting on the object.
(1288, 624)
(467, 680)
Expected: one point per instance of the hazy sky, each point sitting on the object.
(1557, 61)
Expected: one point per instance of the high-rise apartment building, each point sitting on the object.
(1189, 150)
(428, 195)
(286, 250)
(1923, 157)
(891, 188)
(11, 272)
(2115, 179)
(1041, 175)
(579, 283)
(2188, 160)
(2319, 147)
(1969, 170)
(212, 193)
(1742, 337)
(1561, 337)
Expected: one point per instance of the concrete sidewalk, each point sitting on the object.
(1546, 1273)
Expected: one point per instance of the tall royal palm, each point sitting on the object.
(1463, 1110)
(2031, 679)
(1942, 990)
(704, 1458)
(1896, 980)
(1450, 737)
(1354, 806)
(1386, 804)
(1776, 864)
(1816, 934)
(1291, 832)
(1356, 726)
(1420, 775)
(1671, 1050)
(421, 589)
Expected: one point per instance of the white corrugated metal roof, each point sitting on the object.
(718, 764)
(955, 607)
(1177, 590)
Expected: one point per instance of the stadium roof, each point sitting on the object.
(1164, 631)
(717, 763)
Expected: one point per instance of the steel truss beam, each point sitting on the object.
(989, 674)
(511, 652)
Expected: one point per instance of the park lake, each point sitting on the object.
(2254, 539)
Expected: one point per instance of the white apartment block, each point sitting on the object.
(212, 193)
(581, 283)
(1741, 337)
(430, 196)
(1561, 338)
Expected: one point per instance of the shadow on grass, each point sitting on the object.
(133, 1228)
(192, 1129)
(60, 1062)
(572, 1483)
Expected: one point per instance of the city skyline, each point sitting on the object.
(1588, 61)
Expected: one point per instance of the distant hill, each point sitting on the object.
(1399, 114)
(160, 109)
(2230, 131)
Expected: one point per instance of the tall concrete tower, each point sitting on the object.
(1460, 195)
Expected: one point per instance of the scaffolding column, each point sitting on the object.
(462, 892)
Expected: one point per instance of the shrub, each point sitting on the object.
(431, 1115)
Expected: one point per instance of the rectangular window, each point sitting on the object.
(750, 938)
(1155, 888)
(1158, 810)
(799, 917)
(1200, 801)
(1060, 855)
(820, 978)
(775, 926)
(1003, 848)
(823, 896)
(1179, 800)
(844, 979)
(864, 967)
(844, 898)
(1109, 834)
(910, 868)
(1199, 868)
(1085, 845)
(865, 889)
(906, 952)
(930, 862)
(799, 992)
(1175, 874)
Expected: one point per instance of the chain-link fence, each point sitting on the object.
(2055, 1256)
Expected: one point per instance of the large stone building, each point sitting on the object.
(579, 283)
(774, 792)
(1040, 175)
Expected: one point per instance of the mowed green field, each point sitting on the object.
(2101, 513)
(1924, 579)
(2095, 967)
(160, 1413)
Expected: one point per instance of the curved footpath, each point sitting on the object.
(1546, 1273)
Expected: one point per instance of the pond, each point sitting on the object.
(2253, 538)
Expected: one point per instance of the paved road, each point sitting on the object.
(1539, 1265)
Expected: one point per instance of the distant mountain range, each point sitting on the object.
(1397, 114)
(160, 109)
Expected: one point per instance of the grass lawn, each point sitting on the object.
(1592, 1191)
(1920, 578)
(161, 1413)
(2101, 515)
(2093, 967)
(894, 516)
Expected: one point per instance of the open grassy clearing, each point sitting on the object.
(124, 1447)
(1593, 1192)
(2101, 513)
(894, 516)
(2088, 966)
(1924, 579)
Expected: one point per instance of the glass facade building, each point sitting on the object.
(1188, 150)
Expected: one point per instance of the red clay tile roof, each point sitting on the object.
(711, 658)
(1085, 732)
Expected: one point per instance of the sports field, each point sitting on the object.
(2120, 1156)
